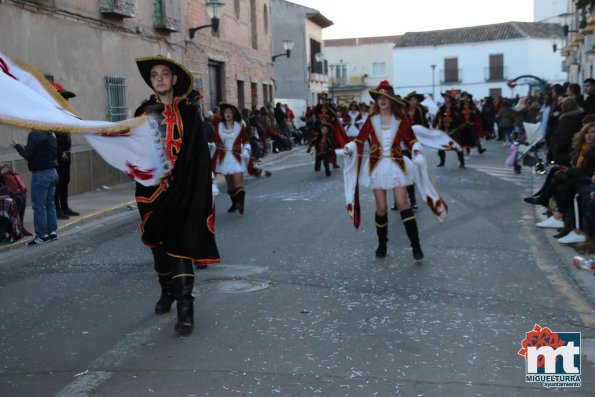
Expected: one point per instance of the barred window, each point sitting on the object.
(117, 105)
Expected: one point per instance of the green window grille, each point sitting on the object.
(117, 105)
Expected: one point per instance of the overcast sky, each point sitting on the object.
(367, 18)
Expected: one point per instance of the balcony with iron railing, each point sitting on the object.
(493, 74)
(351, 82)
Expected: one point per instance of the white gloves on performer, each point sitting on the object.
(246, 152)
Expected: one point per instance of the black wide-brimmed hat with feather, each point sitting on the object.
(414, 94)
(65, 94)
(237, 116)
(385, 89)
(184, 82)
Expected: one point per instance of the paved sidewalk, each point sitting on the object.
(108, 200)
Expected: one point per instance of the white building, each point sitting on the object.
(481, 60)
(357, 64)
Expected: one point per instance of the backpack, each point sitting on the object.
(13, 181)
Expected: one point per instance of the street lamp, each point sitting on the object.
(433, 69)
(215, 12)
(287, 46)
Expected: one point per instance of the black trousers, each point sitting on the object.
(61, 197)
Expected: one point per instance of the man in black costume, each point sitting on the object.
(177, 218)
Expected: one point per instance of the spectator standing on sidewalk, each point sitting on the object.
(589, 90)
(177, 215)
(41, 154)
(63, 211)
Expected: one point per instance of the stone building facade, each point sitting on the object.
(89, 47)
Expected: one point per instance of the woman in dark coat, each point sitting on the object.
(569, 123)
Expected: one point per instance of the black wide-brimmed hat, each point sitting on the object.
(184, 82)
(448, 95)
(65, 94)
(467, 94)
(414, 94)
(386, 90)
(237, 116)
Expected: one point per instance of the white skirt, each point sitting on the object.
(387, 175)
(352, 131)
(231, 166)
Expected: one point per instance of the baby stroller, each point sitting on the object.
(528, 151)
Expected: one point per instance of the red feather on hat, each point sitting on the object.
(383, 83)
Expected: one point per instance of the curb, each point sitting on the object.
(75, 222)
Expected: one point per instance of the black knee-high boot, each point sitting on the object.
(442, 155)
(461, 157)
(163, 267)
(411, 228)
(183, 280)
(240, 196)
(232, 197)
(382, 232)
(411, 194)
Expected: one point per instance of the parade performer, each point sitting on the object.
(363, 115)
(350, 119)
(417, 113)
(326, 111)
(323, 146)
(387, 169)
(232, 154)
(471, 124)
(448, 119)
(177, 214)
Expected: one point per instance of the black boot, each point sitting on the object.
(183, 281)
(480, 149)
(461, 157)
(163, 266)
(232, 197)
(411, 228)
(166, 299)
(382, 232)
(442, 155)
(411, 194)
(240, 196)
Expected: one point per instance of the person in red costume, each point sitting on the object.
(387, 127)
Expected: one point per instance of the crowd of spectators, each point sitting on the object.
(568, 192)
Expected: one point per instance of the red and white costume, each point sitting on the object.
(350, 123)
(232, 149)
(386, 167)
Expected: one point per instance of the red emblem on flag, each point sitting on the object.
(4, 68)
(134, 172)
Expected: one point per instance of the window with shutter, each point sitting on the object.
(167, 15)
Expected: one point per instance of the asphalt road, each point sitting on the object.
(299, 306)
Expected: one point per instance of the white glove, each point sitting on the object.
(211, 146)
(419, 159)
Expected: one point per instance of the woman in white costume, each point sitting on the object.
(387, 127)
(350, 119)
(232, 154)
